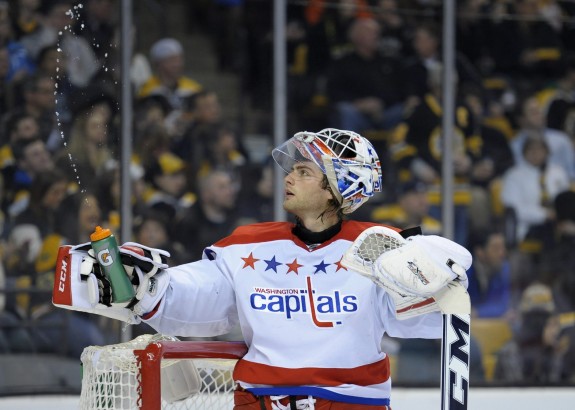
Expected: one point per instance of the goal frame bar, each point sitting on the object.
(149, 362)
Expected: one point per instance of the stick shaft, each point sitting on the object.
(455, 362)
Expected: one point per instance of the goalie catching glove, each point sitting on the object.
(80, 283)
(421, 273)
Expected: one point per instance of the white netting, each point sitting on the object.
(369, 246)
(374, 245)
(111, 377)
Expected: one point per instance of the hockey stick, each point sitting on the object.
(452, 301)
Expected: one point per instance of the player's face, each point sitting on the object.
(304, 195)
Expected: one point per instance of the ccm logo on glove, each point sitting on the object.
(61, 292)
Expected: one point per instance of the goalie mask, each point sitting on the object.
(347, 159)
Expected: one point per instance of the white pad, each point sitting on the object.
(422, 274)
(412, 270)
(179, 380)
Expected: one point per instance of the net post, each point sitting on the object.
(149, 360)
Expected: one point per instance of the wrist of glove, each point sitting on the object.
(143, 265)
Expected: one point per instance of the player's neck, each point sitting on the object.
(315, 224)
(316, 237)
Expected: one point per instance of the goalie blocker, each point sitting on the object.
(80, 284)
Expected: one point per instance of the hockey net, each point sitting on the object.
(153, 372)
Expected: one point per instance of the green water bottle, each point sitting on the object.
(108, 256)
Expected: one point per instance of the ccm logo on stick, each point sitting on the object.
(458, 341)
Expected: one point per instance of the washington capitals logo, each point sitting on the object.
(292, 301)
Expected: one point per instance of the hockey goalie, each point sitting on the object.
(313, 297)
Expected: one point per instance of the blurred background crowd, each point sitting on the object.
(202, 81)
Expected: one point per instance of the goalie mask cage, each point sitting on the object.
(159, 372)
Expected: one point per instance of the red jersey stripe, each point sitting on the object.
(257, 373)
(274, 231)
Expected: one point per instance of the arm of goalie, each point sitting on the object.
(79, 284)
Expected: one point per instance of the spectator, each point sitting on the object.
(149, 112)
(411, 209)
(21, 64)
(558, 263)
(226, 33)
(491, 156)
(559, 336)
(528, 357)
(49, 65)
(200, 110)
(561, 148)
(490, 281)
(38, 101)
(153, 229)
(169, 81)
(529, 189)
(97, 24)
(6, 92)
(19, 126)
(558, 101)
(427, 60)
(219, 149)
(32, 232)
(151, 142)
(213, 215)
(56, 29)
(256, 200)
(533, 50)
(87, 152)
(416, 151)
(47, 192)
(26, 16)
(55, 330)
(365, 88)
(108, 190)
(395, 30)
(14, 338)
(328, 29)
(32, 159)
(168, 186)
(471, 25)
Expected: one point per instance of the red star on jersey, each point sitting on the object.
(339, 265)
(293, 267)
(250, 261)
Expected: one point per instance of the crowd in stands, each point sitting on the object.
(371, 66)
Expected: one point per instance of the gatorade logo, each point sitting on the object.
(105, 258)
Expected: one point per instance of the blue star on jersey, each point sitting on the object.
(321, 267)
(272, 264)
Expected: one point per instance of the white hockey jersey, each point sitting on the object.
(312, 326)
